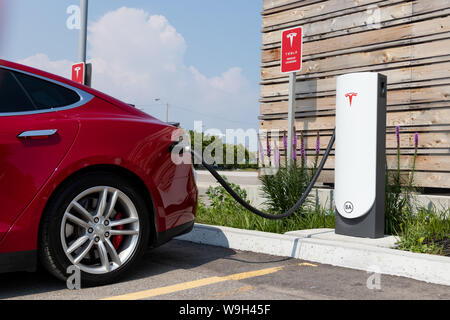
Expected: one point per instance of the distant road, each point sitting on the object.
(238, 177)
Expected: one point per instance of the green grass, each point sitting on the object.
(419, 229)
(223, 210)
(424, 231)
(242, 219)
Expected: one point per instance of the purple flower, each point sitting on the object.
(269, 150)
(302, 147)
(318, 143)
(295, 139)
(416, 140)
(294, 149)
(397, 135)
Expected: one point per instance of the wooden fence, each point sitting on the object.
(409, 41)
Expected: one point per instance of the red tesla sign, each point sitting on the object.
(291, 50)
(78, 71)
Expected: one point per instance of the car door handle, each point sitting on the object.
(37, 134)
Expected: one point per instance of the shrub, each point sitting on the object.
(425, 231)
(419, 229)
(223, 210)
(399, 191)
(242, 157)
(284, 188)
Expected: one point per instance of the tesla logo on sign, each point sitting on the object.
(350, 96)
(78, 71)
(291, 50)
(291, 36)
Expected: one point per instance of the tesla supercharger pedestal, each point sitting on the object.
(360, 154)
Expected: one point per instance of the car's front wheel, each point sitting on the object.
(98, 223)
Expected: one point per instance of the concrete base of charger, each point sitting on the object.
(326, 247)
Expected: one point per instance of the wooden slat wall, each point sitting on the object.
(410, 43)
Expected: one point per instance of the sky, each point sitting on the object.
(201, 57)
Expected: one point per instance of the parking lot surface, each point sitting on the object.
(182, 270)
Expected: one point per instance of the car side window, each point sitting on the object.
(12, 96)
(45, 94)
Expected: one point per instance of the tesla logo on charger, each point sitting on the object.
(350, 96)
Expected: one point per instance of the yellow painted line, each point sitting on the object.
(234, 292)
(193, 284)
(306, 264)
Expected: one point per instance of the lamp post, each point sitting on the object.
(167, 109)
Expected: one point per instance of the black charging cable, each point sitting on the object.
(259, 212)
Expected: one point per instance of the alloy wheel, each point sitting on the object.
(100, 230)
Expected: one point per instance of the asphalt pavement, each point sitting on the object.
(183, 270)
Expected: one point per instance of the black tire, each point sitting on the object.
(51, 252)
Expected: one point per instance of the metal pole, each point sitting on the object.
(83, 31)
(291, 116)
(167, 112)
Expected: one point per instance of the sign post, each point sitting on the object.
(82, 72)
(84, 4)
(291, 62)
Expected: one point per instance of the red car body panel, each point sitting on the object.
(102, 132)
(25, 165)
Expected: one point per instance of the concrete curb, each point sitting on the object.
(423, 267)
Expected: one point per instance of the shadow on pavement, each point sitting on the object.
(25, 283)
(175, 255)
(171, 256)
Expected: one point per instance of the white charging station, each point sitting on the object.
(360, 154)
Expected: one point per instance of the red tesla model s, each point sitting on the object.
(85, 180)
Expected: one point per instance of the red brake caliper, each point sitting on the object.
(118, 239)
